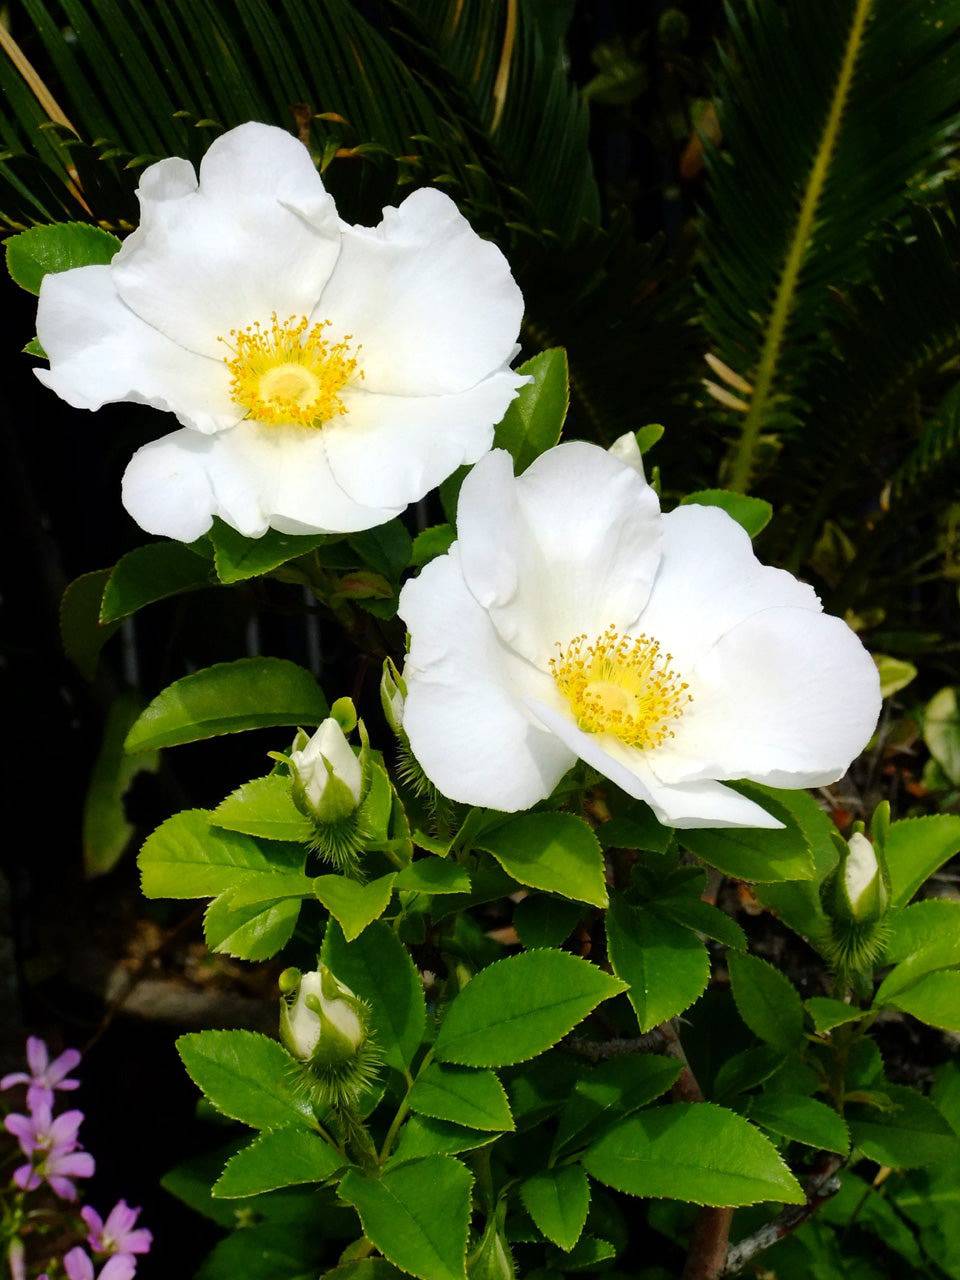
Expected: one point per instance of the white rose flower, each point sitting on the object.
(571, 619)
(325, 375)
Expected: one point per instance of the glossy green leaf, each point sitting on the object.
(34, 253)
(542, 921)
(247, 1077)
(941, 731)
(106, 828)
(386, 548)
(801, 1119)
(827, 1013)
(916, 848)
(913, 927)
(82, 633)
(266, 1251)
(518, 1007)
(939, 951)
(265, 808)
(934, 999)
(666, 966)
(150, 573)
(430, 543)
(910, 1134)
(434, 875)
(281, 1158)
(353, 905)
(557, 1200)
(251, 693)
(611, 1091)
(417, 1215)
(895, 674)
(702, 917)
(534, 419)
(766, 1001)
(463, 1096)
(377, 966)
(697, 1152)
(553, 851)
(425, 1136)
(755, 853)
(238, 558)
(249, 931)
(188, 857)
(752, 514)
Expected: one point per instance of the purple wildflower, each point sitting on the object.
(44, 1076)
(119, 1234)
(79, 1266)
(51, 1148)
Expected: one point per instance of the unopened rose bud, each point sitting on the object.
(328, 776)
(860, 891)
(324, 1023)
(393, 694)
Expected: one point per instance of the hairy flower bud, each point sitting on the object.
(393, 693)
(861, 890)
(856, 897)
(328, 776)
(324, 1023)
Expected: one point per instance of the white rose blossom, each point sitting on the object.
(325, 375)
(570, 620)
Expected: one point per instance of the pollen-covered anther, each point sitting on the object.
(289, 372)
(621, 685)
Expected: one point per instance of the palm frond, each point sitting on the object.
(933, 464)
(829, 109)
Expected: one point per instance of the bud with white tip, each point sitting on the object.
(326, 1027)
(861, 881)
(328, 776)
(856, 898)
(393, 695)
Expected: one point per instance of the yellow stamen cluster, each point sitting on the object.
(289, 373)
(621, 685)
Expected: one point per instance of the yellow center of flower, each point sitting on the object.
(289, 373)
(621, 685)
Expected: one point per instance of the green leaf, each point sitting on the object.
(106, 829)
(271, 887)
(238, 558)
(767, 1001)
(59, 247)
(249, 931)
(247, 1077)
(251, 693)
(430, 543)
(638, 829)
(941, 731)
(801, 1119)
(756, 853)
(364, 1269)
(827, 1013)
(33, 348)
(701, 916)
(557, 1200)
(424, 1136)
(282, 1158)
(553, 851)
(386, 548)
(697, 1152)
(940, 951)
(542, 921)
(535, 418)
(188, 857)
(434, 875)
(752, 514)
(377, 967)
(150, 573)
(648, 436)
(934, 999)
(610, 1092)
(895, 674)
(82, 633)
(516, 1008)
(913, 927)
(463, 1096)
(916, 848)
(267, 1251)
(265, 808)
(353, 905)
(417, 1215)
(745, 1070)
(912, 1134)
(666, 966)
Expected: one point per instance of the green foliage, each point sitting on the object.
(250, 693)
(666, 966)
(553, 851)
(557, 1200)
(247, 1077)
(150, 573)
(753, 514)
(278, 1158)
(475, 1099)
(106, 829)
(60, 247)
(535, 418)
(354, 906)
(767, 1002)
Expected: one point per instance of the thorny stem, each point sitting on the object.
(820, 1187)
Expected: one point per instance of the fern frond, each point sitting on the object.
(933, 464)
(828, 110)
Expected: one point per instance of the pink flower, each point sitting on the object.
(78, 1266)
(119, 1234)
(51, 1148)
(44, 1076)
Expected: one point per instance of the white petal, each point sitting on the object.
(258, 234)
(570, 546)
(433, 305)
(253, 477)
(101, 352)
(393, 449)
(698, 804)
(467, 726)
(709, 580)
(788, 697)
(625, 448)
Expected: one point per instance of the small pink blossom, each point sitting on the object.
(44, 1076)
(119, 1234)
(52, 1150)
(78, 1266)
